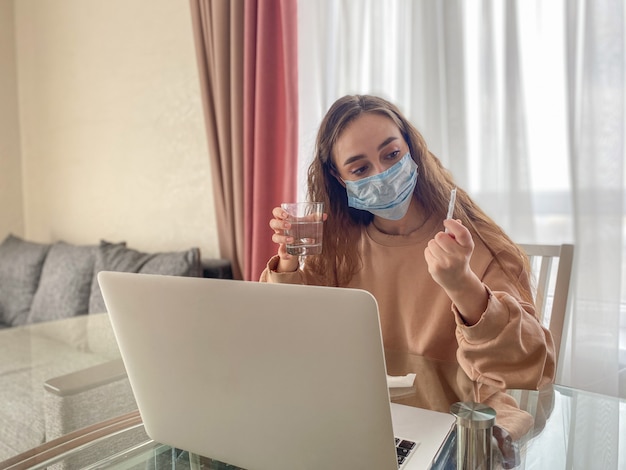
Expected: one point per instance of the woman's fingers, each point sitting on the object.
(279, 225)
(448, 253)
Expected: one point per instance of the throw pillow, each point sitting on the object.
(65, 283)
(21, 262)
(117, 257)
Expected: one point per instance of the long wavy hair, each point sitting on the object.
(340, 254)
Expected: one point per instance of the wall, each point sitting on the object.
(11, 205)
(113, 145)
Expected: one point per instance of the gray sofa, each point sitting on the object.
(43, 282)
(59, 364)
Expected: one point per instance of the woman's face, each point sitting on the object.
(369, 145)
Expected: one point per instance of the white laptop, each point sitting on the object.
(264, 376)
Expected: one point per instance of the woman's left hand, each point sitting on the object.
(448, 255)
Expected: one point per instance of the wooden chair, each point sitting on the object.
(551, 285)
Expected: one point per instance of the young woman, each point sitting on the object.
(446, 288)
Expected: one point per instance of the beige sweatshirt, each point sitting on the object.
(507, 348)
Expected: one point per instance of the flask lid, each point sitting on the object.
(473, 415)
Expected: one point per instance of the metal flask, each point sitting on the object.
(474, 430)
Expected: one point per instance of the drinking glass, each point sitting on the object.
(306, 219)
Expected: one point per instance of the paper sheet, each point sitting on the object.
(401, 381)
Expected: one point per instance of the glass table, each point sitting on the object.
(577, 429)
(555, 428)
(50, 375)
(569, 429)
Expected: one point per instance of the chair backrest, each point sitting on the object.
(551, 285)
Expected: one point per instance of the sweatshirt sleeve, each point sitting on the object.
(299, 276)
(508, 347)
(270, 275)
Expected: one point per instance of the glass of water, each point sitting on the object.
(306, 219)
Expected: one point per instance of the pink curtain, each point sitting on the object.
(247, 62)
(270, 121)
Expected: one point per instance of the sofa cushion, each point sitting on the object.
(21, 262)
(117, 257)
(65, 283)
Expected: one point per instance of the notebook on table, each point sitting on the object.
(264, 376)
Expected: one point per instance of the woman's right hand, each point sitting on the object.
(279, 224)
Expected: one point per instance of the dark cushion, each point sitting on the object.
(217, 268)
(65, 283)
(117, 257)
(21, 262)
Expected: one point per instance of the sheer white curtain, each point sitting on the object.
(405, 51)
(524, 102)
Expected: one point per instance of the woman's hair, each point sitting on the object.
(342, 229)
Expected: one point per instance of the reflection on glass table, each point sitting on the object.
(56, 377)
(555, 428)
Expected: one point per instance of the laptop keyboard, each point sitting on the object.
(404, 448)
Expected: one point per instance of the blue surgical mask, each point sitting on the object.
(387, 194)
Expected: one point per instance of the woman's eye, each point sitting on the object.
(358, 171)
(393, 155)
